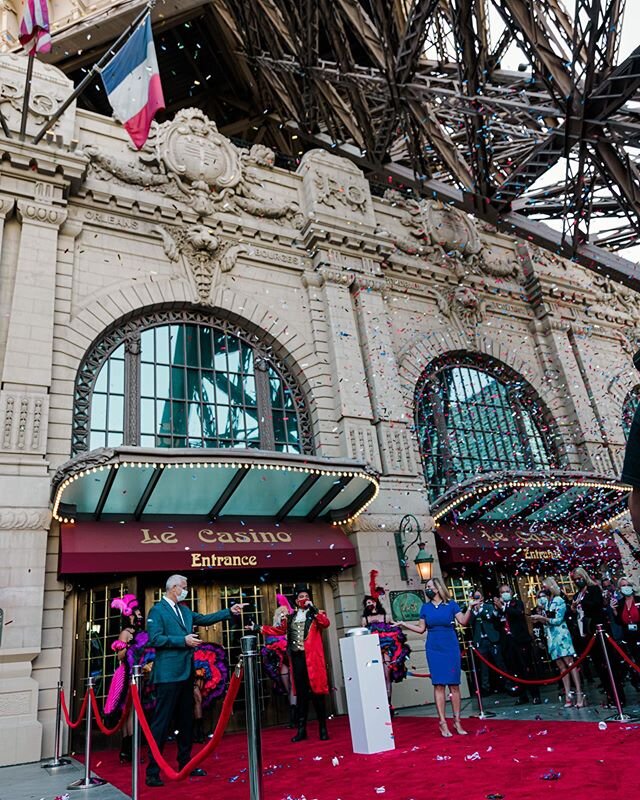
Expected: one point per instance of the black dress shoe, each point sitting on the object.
(536, 701)
(198, 772)
(154, 780)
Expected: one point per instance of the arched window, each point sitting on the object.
(185, 379)
(629, 409)
(476, 416)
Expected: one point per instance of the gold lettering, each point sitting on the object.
(147, 538)
(225, 537)
(206, 561)
(168, 537)
(195, 559)
(237, 561)
(267, 536)
(241, 536)
(253, 560)
(206, 536)
(283, 536)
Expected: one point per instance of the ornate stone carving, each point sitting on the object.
(81, 463)
(463, 307)
(40, 214)
(25, 519)
(22, 416)
(203, 250)
(188, 160)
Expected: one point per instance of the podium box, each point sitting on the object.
(367, 704)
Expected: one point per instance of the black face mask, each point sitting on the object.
(430, 593)
(581, 583)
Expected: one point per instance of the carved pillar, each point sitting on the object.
(24, 483)
(389, 412)
(353, 404)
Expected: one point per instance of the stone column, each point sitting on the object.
(24, 483)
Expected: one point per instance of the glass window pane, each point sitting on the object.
(147, 382)
(147, 345)
(116, 375)
(116, 413)
(162, 344)
(176, 344)
(192, 345)
(162, 381)
(99, 411)
(220, 351)
(101, 380)
(147, 416)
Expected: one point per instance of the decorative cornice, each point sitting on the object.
(40, 214)
(28, 519)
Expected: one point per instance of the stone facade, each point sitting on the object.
(359, 292)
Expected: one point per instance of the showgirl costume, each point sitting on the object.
(137, 652)
(211, 671)
(274, 649)
(393, 640)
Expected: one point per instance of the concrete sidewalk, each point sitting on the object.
(32, 782)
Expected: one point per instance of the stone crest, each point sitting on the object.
(189, 160)
(463, 307)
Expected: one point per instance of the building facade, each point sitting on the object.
(315, 321)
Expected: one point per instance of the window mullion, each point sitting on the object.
(263, 401)
(132, 389)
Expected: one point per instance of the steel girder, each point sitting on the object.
(415, 90)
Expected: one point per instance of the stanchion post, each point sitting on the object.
(249, 645)
(621, 716)
(57, 761)
(482, 713)
(135, 742)
(88, 782)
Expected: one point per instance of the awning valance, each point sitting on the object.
(138, 484)
(229, 544)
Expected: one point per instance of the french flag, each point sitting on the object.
(132, 82)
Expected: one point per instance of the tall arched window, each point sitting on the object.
(629, 409)
(476, 416)
(185, 379)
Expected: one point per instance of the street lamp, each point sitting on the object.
(423, 560)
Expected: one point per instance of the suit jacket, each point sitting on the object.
(514, 614)
(174, 660)
(484, 624)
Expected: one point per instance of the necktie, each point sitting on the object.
(179, 613)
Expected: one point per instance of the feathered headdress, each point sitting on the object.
(375, 591)
(281, 600)
(125, 604)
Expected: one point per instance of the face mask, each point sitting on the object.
(182, 596)
(581, 583)
(506, 596)
(542, 602)
(302, 603)
(430, 593)
(627, 591)
(476, 597)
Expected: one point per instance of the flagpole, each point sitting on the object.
(89, 76)
(27, 93)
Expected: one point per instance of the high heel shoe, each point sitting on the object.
(581, 700)
(444, 729)
(458, 727)
(568, 701)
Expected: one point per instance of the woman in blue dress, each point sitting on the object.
(438, 618)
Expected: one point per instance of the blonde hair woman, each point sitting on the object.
(559, 641)
(438, 618)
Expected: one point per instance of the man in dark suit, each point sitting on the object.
(485, 633)
(170, 629)
(516, 641)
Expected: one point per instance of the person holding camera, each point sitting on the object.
(559, 642)
(485, 635)
(170, 628)
(516, 641)
(303, 629)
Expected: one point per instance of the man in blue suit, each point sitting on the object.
(170, 629)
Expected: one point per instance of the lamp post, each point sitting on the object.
(423, 560)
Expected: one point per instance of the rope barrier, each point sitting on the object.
(98, 715)
(541, 681)
(621, 652)
(65, 710)
(417, 674)
(225, 714)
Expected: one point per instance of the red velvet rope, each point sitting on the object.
(416, 675)
(65, 710)
(227, 708)
(98, 716)
(542, 682)
(617, 647)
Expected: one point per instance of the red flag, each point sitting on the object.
(34, 27)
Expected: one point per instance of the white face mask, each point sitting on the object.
(627, 591)
(543, 602)
(182, 596)
(506, 596)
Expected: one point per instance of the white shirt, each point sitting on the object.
(175, 607)
(301, 614)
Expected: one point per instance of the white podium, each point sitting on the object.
(367, 703)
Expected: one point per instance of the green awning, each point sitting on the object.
(130, 483)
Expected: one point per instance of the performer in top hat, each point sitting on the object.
(303, 629)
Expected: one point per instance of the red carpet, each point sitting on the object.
(498, 758)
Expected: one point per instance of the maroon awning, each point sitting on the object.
(494, 543)
(230, 543)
